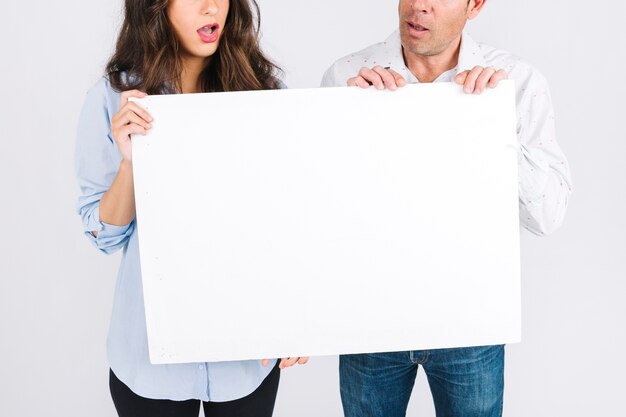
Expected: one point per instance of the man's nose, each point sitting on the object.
(422, 6)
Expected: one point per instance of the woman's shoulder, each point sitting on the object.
(103, 93)
(101, 102)
(104, 87)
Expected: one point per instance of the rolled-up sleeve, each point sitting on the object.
(544, 177)
(97, 161)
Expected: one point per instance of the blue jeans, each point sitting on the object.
(464, 382)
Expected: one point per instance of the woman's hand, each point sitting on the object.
(287, 362)
(130, 119)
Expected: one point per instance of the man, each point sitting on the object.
(430, 46)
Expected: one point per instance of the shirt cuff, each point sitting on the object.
(109, 237)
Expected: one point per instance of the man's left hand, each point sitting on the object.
(479, 78)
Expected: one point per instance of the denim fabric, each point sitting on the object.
(464, 382)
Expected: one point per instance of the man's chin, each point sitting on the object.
(421, 50)
(418, 47)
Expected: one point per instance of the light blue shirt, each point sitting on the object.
(97, 163)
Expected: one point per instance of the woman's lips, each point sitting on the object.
(209, 33)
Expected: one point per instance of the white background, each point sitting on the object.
(56, 290)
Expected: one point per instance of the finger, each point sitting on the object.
(303, 361)
(265, 362)
(483, 79)
(138, 110)
(352, 82)
(372, 77)
(130, 93)
(470, 81)
(125, 132)
(362, 82)
(497, 77)
(287, 362)
(358, 81)
(388, 79)
(133, 118)
(461, 77)
(127, 119)
(400, 81)
(124, 116)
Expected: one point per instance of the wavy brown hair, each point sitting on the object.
(147, 54)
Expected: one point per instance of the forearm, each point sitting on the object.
(117, 206)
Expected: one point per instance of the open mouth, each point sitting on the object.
(417, 27)
(209, 33)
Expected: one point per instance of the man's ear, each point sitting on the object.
(475, 7)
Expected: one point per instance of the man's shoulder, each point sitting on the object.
(382, 53)
(517, 68)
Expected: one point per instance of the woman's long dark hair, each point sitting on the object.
(147, 54)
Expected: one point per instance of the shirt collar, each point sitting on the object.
(470, 55)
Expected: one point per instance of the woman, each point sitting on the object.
(165, 47)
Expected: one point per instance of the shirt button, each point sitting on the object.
(200, 366)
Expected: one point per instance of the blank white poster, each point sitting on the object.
(328, 221)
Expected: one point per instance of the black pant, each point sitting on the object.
(258, 404)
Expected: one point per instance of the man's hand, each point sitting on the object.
(287, 362)
(474, 82)
(379, 77)
(479, 78)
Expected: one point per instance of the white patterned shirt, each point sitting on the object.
(544, 178)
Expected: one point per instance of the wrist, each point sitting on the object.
(126, 164)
